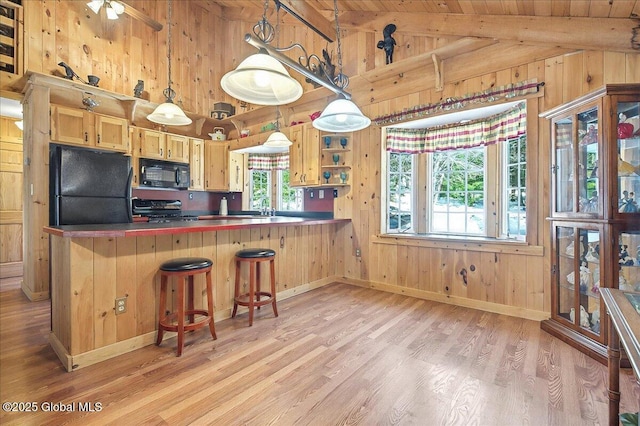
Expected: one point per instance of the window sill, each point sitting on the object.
(460, 243)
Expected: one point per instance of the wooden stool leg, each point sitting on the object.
(257, 264)
(181, 288)
(272, 267)
(252, 290)
(163, 303)
(190, 307)
(236, 290)
(212, 327)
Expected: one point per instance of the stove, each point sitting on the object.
(161, 211)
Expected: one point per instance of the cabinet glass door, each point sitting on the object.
(628, 162)
(589, 200)
(578, 266)
(563, 129)
(629, 261)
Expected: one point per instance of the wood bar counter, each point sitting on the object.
(93, 265)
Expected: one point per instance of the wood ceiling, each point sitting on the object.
(559, 8)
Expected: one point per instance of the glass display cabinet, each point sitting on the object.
(595, 219)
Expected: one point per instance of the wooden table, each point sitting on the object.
(624, 327)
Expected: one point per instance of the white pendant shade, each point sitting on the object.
(169, 114)
(95, 5)
(113, 7)
(341, 115)
(278, 139)
(261, 80)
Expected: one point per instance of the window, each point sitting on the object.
(289, 199)
(464, 187)
(458, 191)
(264, 170)
(260, 190)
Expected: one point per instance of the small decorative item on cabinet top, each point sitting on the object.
(625, 130)
(218, 134)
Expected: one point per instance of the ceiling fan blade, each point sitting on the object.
(134, 13)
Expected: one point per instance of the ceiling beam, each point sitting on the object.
(613, 34)
(135, 13)
(309, 16)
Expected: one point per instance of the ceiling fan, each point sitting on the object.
(114, 8)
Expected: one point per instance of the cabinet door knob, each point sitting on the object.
(169, 154)
(86, 136)
(161, 152)
(98, 137)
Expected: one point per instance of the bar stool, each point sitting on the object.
(185, 269)
(253, 298)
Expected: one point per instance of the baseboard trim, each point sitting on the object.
(11, 270)
(497, 308)
(34, 296)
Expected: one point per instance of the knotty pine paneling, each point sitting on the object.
(10, 191)
(99, 270)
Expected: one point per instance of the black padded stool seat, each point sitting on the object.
(184, 269)
(253, 253)
(254, 297)
(186, 264)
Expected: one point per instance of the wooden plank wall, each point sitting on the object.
(206, 46)
(10, 198)
(101, 269)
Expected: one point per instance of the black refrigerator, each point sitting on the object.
(88, 187)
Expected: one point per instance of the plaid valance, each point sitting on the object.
(269, 161)
(509, 124)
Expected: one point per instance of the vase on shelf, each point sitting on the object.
(343, 177)
(343, 142)
(336, 159)
(327, 141)
(326, 176)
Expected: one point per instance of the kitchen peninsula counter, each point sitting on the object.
(93, 265)
(206, 225)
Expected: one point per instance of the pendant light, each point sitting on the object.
(341, 115)
(112, 7)
(278, 139)
(261, 79)
(168, 113)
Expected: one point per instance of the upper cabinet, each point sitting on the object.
(161, 146)
(304, 156)
(196, 163)
(596, 155)
(80, 127)
(216, 166)
(236, 172)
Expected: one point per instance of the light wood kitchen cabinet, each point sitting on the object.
(196, 163)
(304, 156)
(150, 143)
(177, 148)
(216, 166)
(84, 128)
(236, 172)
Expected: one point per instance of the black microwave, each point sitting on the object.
(163, 174)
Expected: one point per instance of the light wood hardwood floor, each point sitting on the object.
(337, 355)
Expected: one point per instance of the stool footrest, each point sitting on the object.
(243, 299)
(168, 323)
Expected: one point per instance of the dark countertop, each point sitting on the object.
(208, 224)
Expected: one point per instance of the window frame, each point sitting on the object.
(494, 196)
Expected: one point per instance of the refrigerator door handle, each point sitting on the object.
(128, 196)
(178, 176)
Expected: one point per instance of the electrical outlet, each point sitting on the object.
(121, 305)
(321, 194)
(335, 193)
(358, 252)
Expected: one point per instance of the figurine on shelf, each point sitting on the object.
(592, 256)
(591, 136)
(592, 203)
(585, 277)
(596, 281)
(625, 130)
(625, 168)
(571, 278)
(584, 317)
(623, 284)
(388, 43)
(628, 203)
(595, 321)
(572, 315)
(624, 258)
(569, 249)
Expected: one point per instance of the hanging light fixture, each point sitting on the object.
(341, 115)
(278, 139)
(112, 7)
(261, 79)
(168, 113)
